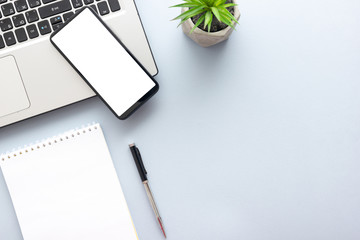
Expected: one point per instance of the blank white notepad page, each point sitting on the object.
(66, 188)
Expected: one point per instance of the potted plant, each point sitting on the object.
(208, 22)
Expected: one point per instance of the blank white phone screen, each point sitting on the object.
(103, 62)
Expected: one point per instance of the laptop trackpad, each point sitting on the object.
(13, 97)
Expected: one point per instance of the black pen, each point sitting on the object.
(142, 171)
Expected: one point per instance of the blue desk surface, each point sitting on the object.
(255, 138)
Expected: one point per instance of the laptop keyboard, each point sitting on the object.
(23, 20)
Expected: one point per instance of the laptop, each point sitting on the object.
(34, 77)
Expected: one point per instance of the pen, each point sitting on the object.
(142, 171)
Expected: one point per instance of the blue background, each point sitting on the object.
(255, 138)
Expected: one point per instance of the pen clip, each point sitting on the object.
(140, 159)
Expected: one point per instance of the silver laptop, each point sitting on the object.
(34, 77)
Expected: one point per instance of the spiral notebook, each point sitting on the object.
(66, 188)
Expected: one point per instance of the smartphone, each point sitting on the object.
(103, 61)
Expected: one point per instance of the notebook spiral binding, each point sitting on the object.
(50, 141)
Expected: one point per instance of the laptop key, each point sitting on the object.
(54, 8)
(21, 35)
(32, 31)
(77, 3)
(32, 16)
(21, 5)
(47, 1)
(66, 16)
(5, 24)
(114, 5)
(44, 27)
(34, 3)
(55, 20)
(87, 2)
(103, 8)
(8, 9)
(57, 26)
(2, 1)
(2, 44)
(9, 38)
(19, 20)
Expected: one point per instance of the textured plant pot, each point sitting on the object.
(207, 39)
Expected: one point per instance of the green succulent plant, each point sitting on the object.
(208, 9)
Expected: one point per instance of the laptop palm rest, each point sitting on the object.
(13, 97)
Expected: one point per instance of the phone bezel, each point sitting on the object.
(139, 102)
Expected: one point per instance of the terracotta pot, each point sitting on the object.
(207, 39)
